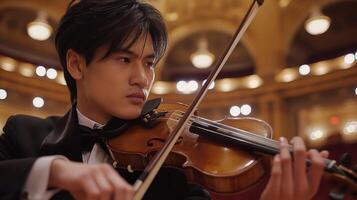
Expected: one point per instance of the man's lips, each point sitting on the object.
(137, 96)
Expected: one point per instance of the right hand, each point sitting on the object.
(83, 181)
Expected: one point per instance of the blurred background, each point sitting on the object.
(295, 67)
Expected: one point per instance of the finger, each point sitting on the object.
(300, 176)
(286, 166)
(90, 188)
(122, 189)
(316, 170)
(106, 189)
(272, 190)
(324, 154)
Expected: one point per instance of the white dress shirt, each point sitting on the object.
(36, 185)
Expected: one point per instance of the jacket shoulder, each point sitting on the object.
(27, 132)
(29, 123)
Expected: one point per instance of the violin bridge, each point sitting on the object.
(173, 120)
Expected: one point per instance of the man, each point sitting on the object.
(108, 50)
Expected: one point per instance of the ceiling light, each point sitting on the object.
(287, 75)
(254, 81)
(26, 69)
(317, 23)
(39, 29)
(304, 70)
(234, 111)
(321, 69)
(350, 127)
(38, 102)
(316, 134)
(51, 73)
(8, 64)
(246, 109)
(356, 91)
(349, 58)
(40, 71)
(192, 86)
(202, 58)
(226, 85)
(181, 86)
(3, 94)
(161, 87)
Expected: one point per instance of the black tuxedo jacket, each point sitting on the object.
(25, 138)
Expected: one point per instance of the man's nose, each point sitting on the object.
(139, 76)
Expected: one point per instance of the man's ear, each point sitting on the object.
(75, 64)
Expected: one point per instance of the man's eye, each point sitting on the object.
(124, 59)
(150, 64)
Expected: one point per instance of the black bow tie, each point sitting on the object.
(91, 136)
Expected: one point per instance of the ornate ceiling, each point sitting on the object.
(276, 39)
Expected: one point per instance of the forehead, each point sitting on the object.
(143, 44)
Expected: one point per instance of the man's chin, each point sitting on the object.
(129, 114)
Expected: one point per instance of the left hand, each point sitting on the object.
(291, 179)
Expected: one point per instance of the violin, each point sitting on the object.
(212, 153)
(219, 165)
(224, 156)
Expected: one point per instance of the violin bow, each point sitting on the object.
(147, 176)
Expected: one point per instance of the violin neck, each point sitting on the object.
(235, 137)
(232, 136)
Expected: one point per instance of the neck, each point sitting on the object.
(92, 111)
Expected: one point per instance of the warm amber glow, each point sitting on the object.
(38, 102)
(8, 64)
(39, 29)
(304, 70)
(316, 134)
(60, 78)
(317, 23)
(160, 87)
(27, 69)
(234, 111)
(3, 94)
(202, 58)
(226, 85)
(254, 81)
(287, 75)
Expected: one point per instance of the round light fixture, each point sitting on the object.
(39, 29)
(202, 58)
(234, 111)
(3, 94)
(304, 69)
(38, 102)
(317, 23)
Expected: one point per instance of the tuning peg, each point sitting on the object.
(346, 160)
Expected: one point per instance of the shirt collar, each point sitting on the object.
(85, 121)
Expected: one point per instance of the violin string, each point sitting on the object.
(234, 129)
(267, 143)
(235, 132)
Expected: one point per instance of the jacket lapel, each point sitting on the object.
(64, 139)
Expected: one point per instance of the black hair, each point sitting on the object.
(90, 24)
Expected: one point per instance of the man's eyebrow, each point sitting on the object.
(127, 51)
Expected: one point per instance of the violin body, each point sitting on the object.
(214, 164)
